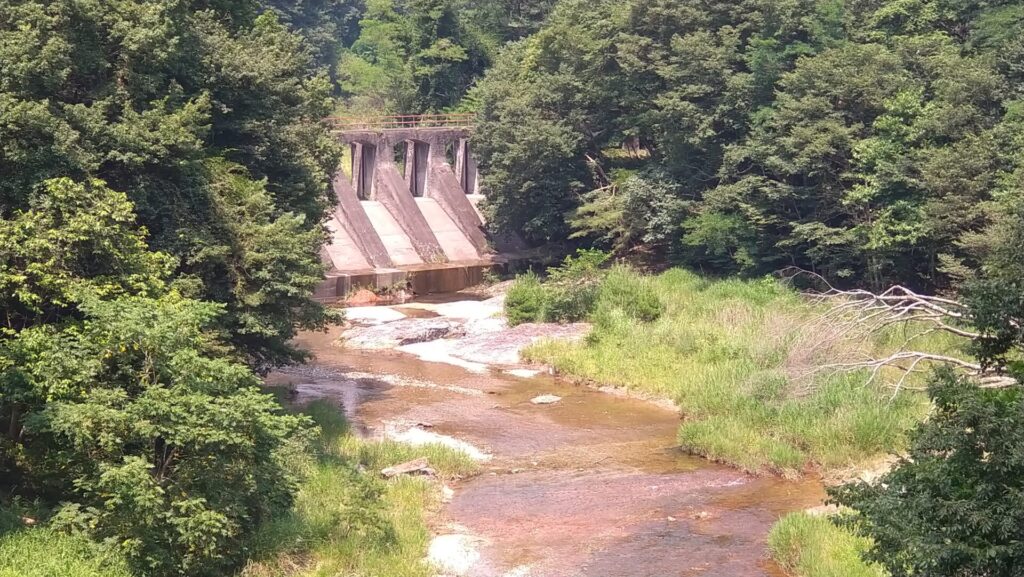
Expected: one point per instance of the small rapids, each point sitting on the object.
(590, 486)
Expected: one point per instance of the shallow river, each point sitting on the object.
(590, 486)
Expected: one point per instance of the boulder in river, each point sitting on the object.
(502, 347)
(546, 400)
(417, 467)
(401, 333)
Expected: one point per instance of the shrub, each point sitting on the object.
(44, 552)
(571, 301)
(570, 293)
(162, 450)
(965, 475)
(526, 300)
(632, 293)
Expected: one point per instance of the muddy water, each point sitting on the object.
(591, 486)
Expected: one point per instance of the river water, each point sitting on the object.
(592, 486)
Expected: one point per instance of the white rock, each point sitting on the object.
(400, 333)
(440, 351)
(454, 554)
(546, 400)
(418, 437)
(373, 315)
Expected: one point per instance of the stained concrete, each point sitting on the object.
(360, 229)
(454, 243)
(407, 227)
(342, 252)
(400, 248)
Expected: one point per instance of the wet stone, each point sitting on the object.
(545, 400)
(401, 333)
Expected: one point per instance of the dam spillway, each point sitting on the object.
(406, 212)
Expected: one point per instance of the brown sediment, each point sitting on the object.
(592, 485)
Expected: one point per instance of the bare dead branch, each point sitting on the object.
(858, 316)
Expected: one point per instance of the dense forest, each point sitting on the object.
(872, 142)
(165, 175)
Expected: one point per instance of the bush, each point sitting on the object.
(632, 293)
(955, 505)
(159, 448)
(526, 300)
(569, 295)
(44, 552)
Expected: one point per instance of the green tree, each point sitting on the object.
(121, 399)
(411, 56)
(954, 505)
(147, 96)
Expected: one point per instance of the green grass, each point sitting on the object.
(809, 546)
(347, 520)
(42, 552)
(734, 356)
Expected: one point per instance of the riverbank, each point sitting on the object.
(551, 455)
(578, 482)
(349, 520)
(741, 360)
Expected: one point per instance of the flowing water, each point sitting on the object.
(590, 486)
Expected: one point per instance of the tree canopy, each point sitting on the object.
(870, 142)
(165, 176)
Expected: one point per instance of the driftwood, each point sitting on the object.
(859, 315)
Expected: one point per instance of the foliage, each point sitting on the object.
(327, 25)
(953, 506)
(43, 552)
(525, 300)
(133, 418)
(735, 357)
(73, 238)
(350, 522)
(570, 293)
(147, 97)
(534, 116)
(871, 143)
(811, 546)
(122, 400)
(411, 56)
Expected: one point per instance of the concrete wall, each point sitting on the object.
(377, 181)
(353, 219)
(389, 188)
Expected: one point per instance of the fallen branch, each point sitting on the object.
(858, 316)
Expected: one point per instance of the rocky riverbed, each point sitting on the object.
(575, 482)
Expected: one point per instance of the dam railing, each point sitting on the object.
(400, 122)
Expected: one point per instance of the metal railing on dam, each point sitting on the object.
(400, 122)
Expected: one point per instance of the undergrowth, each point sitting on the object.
(43, 552)
(735, 356)
(811, 546)
(349, 521)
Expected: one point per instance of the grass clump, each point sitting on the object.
(734, 356)
(349, 521)
(569, 294)
(811, 546)
(44, 552)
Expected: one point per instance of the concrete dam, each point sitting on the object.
(407, 208)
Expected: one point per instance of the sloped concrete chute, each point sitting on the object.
(410, 216)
